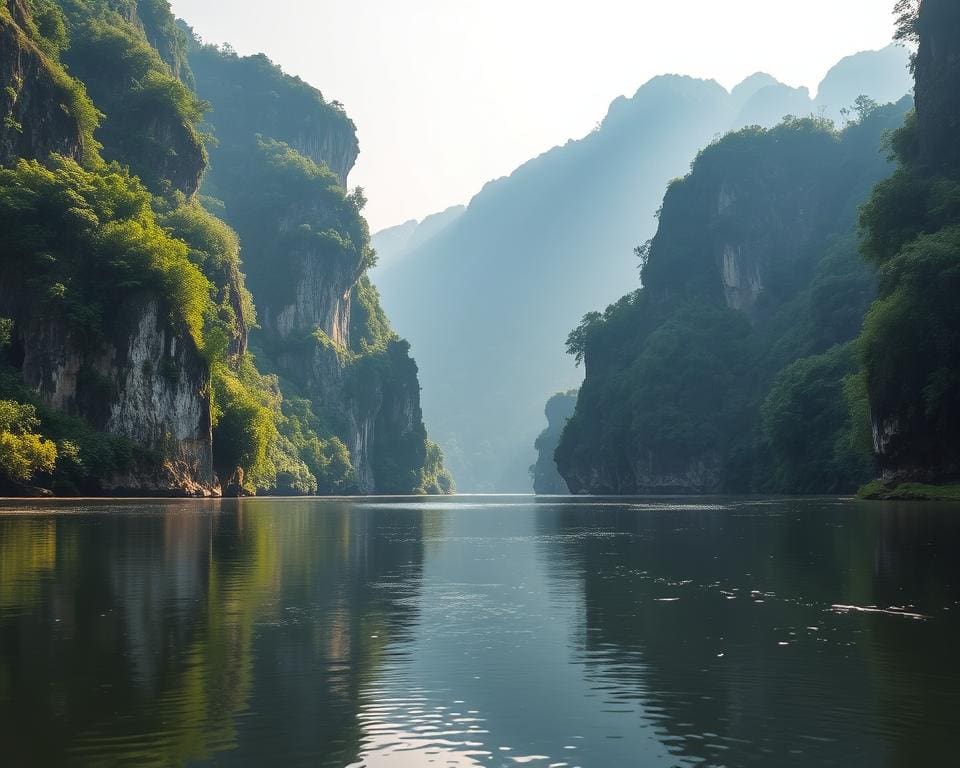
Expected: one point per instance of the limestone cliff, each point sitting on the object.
(370, 395)
(911, 341)
(748, 226)
(329, 144)
(252, 93)
(151, 117)
(319, 297)
(753, 267)
(145, 383)
(124, 315)
(36, 117)
(280, 167)
(124, 370)
(375, 404)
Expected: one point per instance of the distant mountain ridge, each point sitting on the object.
(394, 243)
(534, 251)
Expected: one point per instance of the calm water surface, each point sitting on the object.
(497, 631)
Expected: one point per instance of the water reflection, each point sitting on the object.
(720, 622)
(480, 632)
(145, 635)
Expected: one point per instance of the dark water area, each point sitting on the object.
(479, 631)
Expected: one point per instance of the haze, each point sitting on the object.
(448, 95)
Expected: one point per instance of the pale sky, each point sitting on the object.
(448, 94)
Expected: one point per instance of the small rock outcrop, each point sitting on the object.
(546, 479)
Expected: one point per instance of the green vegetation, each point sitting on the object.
(253, 96)
(275, 441)
(167, 36)
(815, 425)
(370, 330)
(243, 425)
(269, 182)
(733, 369)
(151, 117)
(327, 458)
(910, 345)
(45, 29)
(307, 251)
(84, 240)
(23, 453)
(434, 477)
(876, 490)
(91, 242)
(215, 249)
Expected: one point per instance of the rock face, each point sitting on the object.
(178, 156)
(546, 478)
(321, 301)
(374, 400)
(742, 281)
(756, 242)
(938, 86)
(35, 119)
(305, 253)
(328, 144)
(145, 383)
(912, 361)
(252, 90)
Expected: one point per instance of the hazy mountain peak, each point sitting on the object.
(659, 92)
(883, 75)
(749, 86)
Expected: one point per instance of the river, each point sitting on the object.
(479, 631)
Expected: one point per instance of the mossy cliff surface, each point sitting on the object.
(124, 313)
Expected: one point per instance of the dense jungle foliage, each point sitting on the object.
(733, 367)
(125, 225)
(910, 345)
